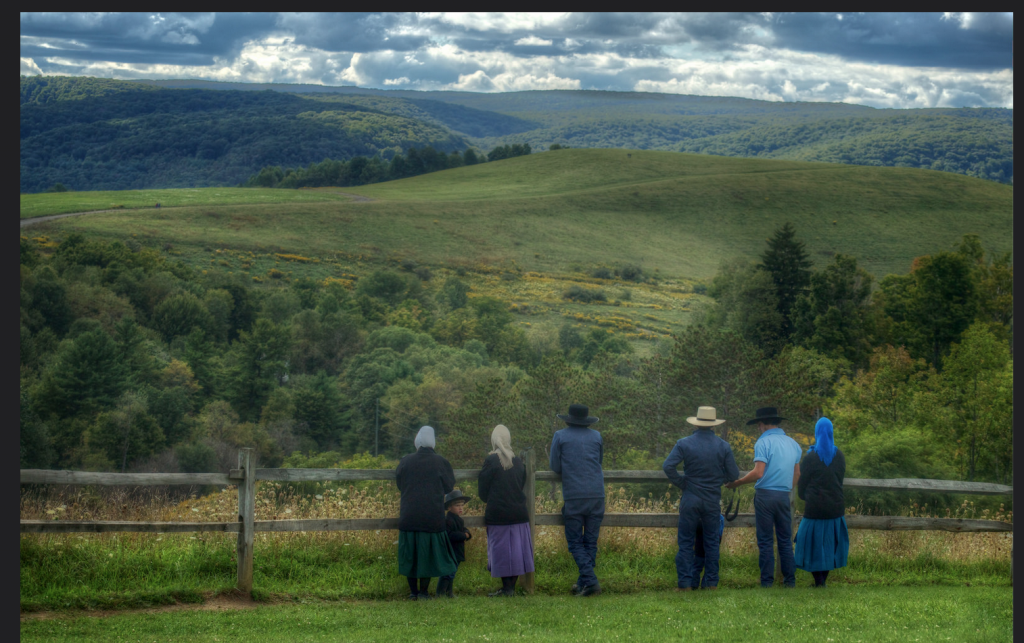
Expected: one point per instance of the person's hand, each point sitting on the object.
(469, 536)
(731, 485)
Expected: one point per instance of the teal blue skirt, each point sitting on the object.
(822, 545)
(423, 554)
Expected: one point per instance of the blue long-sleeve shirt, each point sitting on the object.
(576, 454)
(707, 461)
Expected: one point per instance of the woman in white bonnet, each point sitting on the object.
(502, 481)
(424, 550)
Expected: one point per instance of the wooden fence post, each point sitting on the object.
(530, 490)
(247, 517)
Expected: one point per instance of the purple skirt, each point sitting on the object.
(509, 550)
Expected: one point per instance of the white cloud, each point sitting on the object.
(502, 22)
(778, 75)
(533, 41)
(752, 71)
(30, 68)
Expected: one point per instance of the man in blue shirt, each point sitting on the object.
(776, 471)
(577, 452)
(708, 463)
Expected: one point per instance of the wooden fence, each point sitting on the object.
(246, 475)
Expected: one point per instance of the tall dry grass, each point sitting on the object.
(281, 501)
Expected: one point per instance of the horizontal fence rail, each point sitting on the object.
(246, 477)
(45, 476)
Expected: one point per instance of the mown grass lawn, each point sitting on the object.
(854, 614)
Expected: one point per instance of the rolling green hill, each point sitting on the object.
(527, 228)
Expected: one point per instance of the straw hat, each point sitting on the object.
(705, 417)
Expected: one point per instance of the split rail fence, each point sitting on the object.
(246, 475)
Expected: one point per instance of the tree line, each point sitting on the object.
(133, 361)
(363, 170)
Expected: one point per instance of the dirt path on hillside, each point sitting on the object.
(357, 198)
(232, 601)
(51, 217)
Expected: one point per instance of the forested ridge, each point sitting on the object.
(90, 133)
(87, 137)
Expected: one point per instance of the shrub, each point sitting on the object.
(423, 273)
(630, 272)
(383, 285)
(196, 458)
(601, 273)
(584, 295)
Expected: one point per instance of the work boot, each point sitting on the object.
(443, 586)
(590, 590)
(508, 587)
(575, 589)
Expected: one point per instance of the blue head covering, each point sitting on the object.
(824, 445)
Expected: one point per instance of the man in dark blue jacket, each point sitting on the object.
(577, 452)
(708, 464)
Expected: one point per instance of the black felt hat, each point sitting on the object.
(578, 414)
(453, 496)
(766, 414)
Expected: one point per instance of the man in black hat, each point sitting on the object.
(577, 452)
(776, 471)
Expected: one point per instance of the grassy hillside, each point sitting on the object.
(526, 229)
(37, 205)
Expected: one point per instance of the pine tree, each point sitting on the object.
(790, 268)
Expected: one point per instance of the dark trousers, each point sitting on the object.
(452, 575)
(582, 527)
(772, 517)
(697, 513)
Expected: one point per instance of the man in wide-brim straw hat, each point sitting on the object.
(776, 470)
(577, 452)
(708, 463)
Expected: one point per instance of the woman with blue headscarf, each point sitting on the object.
(822, 541)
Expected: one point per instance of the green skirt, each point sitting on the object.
(423, 554)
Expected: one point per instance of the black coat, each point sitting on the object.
(821, 487)
(457, 534)
(423, 480)
(503, 492)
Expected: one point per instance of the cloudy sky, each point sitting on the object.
(882, 60)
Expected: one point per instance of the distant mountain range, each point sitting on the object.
(92, 133)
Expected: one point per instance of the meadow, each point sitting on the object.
(38, 205)
(526, 229)
(118, 571)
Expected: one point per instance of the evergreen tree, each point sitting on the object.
(318, 405)
(834, 315)
(258, 362)
(787, 262)
(946, 303)
(86, 376)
